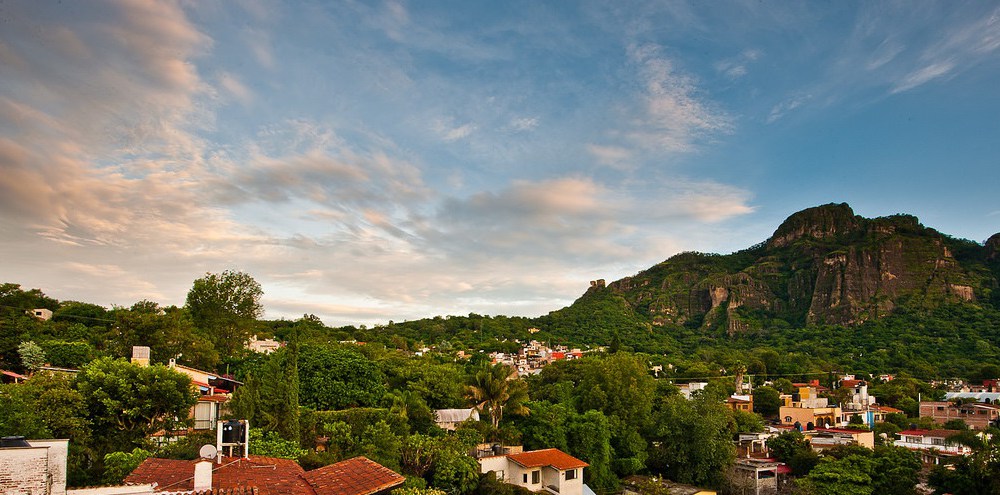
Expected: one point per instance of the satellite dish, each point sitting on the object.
(208, 451)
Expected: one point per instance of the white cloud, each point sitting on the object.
(235, 88)
(779, 110)
(674, 116)
(524, 123)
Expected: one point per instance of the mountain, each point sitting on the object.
(822, 266)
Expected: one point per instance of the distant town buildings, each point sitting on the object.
(976, 415)
(535, 355)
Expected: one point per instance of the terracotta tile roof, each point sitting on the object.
(928, 433)
(547, 457)
(269, 475)
(357, 476)
(13, 375)
(842, 430)
(887, 409)
(852, 383)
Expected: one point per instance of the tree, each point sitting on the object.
(67, 354)
(337, 378)
(46, 406)
(455, 472)
(226, 306)
(118, 465)
(32, 356)
(747, 422)
(766, 401)
(127, 403)
(169, 332)
(978, 473)
(494, 389)
(589, 438)
(271, 444)
(381, 445)
(791, 447)
(269, 397)
(693, 440)
(848, 476)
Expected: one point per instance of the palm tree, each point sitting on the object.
(497, 387)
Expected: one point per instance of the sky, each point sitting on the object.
(387, 160)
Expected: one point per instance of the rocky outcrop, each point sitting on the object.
(823, 265)
(993, 247)
(821, 222)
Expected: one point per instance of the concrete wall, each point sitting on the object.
(24, 471)
(58, 451)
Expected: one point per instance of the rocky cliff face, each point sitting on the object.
(822, 265)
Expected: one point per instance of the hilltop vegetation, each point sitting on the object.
(828, 292)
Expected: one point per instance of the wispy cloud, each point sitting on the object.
(675, 116)
(779, 110)
(736, 67)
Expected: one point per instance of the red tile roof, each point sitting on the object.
(13, 375)
(928, 433)
(886, 409)
(270, 475)
(357, 476)
(547, 457)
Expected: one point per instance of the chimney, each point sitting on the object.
(140, 355)
(203, 475)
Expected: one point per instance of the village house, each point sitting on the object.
(740, 403)
(265, 346)
(758, 476)
(548, 470)
(933, 446)
(687, 389)
(821, 439)
(214, 390)
(976, 415)
(449, 419)
(807, 410)
(40, 313)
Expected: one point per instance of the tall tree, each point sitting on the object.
(496, 388)
(226, 306)
(269, 397)
(127, 402)
(693, 440)
(337, 378)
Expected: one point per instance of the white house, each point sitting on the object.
(547, 470)
(449, 419)
(932, 445)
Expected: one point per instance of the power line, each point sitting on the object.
(63, 315)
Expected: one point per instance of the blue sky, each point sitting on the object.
(375, 161)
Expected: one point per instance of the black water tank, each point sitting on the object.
(13, 442)
(232, 431)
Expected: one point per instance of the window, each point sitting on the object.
(204, 416)
(525, 478)
(937, 441)
(535, 477)
(788, 419)
(571, 474)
